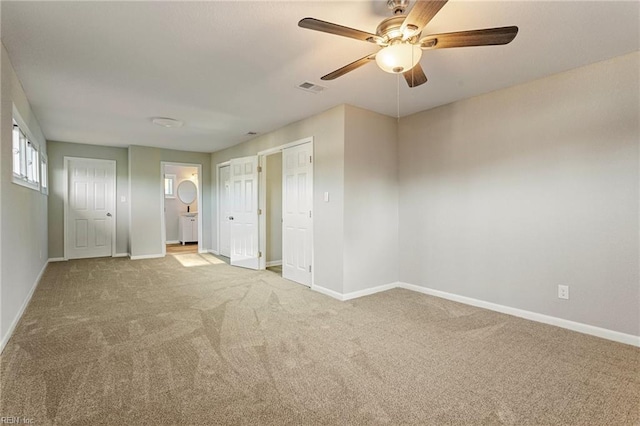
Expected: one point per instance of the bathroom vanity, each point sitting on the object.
(188, 228)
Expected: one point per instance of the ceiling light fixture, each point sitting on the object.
(166, 122)
(399, 57)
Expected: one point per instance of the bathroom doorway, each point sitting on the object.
(182, 197)
(273, 211)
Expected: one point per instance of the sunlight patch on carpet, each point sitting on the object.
(194, 259)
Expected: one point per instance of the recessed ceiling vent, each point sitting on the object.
(307, 86)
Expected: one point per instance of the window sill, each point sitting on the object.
(22, 182)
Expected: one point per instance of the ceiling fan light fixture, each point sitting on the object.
(398, 58)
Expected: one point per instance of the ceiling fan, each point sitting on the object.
(399, 39)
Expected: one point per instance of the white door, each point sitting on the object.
(297, 202)
(244, 212)
(224, 191)
(90, 207)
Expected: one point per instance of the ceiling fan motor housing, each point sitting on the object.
(398, 6)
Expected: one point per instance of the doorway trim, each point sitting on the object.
(218, 167)
(112, 163)
(163, 225)
(262, 201)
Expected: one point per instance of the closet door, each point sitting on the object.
(224, 188)
(244, 212)
(89, 207)
(297, 202)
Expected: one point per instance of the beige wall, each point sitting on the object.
(57, 152)
(146, 192)
(507, 195)
(327, 130)
(274, 207)
(23, 211)
(370, 200)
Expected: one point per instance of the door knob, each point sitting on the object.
(108, 214)
(230, 217)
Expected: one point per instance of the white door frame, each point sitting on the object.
(200, 205)
(218, 167)
(262, 202)
(112, 163)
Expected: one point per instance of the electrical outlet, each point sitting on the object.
(563, 292)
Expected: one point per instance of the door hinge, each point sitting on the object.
(309, 268)
(259, 254)
(259, 169)
(259, 211)
(310, 159)
(309, 213)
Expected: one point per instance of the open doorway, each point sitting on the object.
(181, 220)
(224, 209)
(273, 211)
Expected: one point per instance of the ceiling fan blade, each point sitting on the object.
(421, 14)
(415, 76)
(485, 37)
(350, 67)
(328, 27)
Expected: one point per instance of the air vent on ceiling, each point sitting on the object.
(307, 86)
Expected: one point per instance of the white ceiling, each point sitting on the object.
(95, 72)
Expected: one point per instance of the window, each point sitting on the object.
(169, 186)
(33, 163)
(44, 174)
(18, 153)
(26, 156)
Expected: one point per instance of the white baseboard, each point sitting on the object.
(121, 255)
(147, 256)
(56, 259)
(214, 252)
(354, 294)
(273, 263)
(604, 333)
(14, 324)
(369, 291)
(328, 292)
(172, 242)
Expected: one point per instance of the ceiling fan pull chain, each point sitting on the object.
(398, 96)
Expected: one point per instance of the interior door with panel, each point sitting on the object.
(90, 208)
(224, 191)
(297, 202)
(244, 212)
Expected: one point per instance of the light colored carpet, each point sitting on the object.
(115, 341)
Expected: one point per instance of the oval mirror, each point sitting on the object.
(187, 191)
